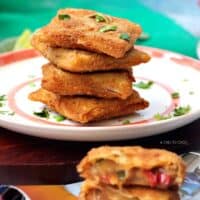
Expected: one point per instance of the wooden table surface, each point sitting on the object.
(30, 160)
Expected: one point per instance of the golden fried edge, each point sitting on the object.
(85, 61)
(87, 109)
(91, 188)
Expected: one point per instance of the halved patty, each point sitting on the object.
(79, 29)
(128, 166)
(85, 61)
(87, 109)
(115, 84)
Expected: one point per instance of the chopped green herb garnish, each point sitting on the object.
(185, 80)
(44, 113)
(3, 98)
(125, 36)
(181, 110)
(2, 112)
(5, 112)
(191, 92)
(1, 104)
(59, 118)
(144, 36)
(121, 174)
(11, 113)
(143, 85)
(107, 28)
(126, 122)
(32, 84)
(99, 17)
(64, 17)
(159, 117)
(175, 95)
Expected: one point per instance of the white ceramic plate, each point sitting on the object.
(20, 74)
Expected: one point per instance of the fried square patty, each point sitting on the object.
(130, 166)
(113, 84)
(81, 29)
(87, 109)
(84, 61)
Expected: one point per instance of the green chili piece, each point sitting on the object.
(107, 28)
(121, 174)
(124, 36)
(63, 17)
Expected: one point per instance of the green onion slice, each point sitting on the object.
(144, 85)
(181, 110)
(159, 117)
(126, 122)
(175, 95)
(99, 17)
(63, 17)
(3, 97)
(107, 28)
(125, 36)
(59, 118)
(121, 174)
(44, 113)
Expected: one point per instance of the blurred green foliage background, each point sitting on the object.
(17, 15)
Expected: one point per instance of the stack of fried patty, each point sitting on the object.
(131, 173)
(89, 76)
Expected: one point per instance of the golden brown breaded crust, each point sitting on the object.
(85, 61)
(116, 84)
(88, 109)
(92, 191)
(134, 157)
(81, 31)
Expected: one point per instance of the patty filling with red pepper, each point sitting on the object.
(109, 172)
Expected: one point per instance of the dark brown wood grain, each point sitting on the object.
(31, 160)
